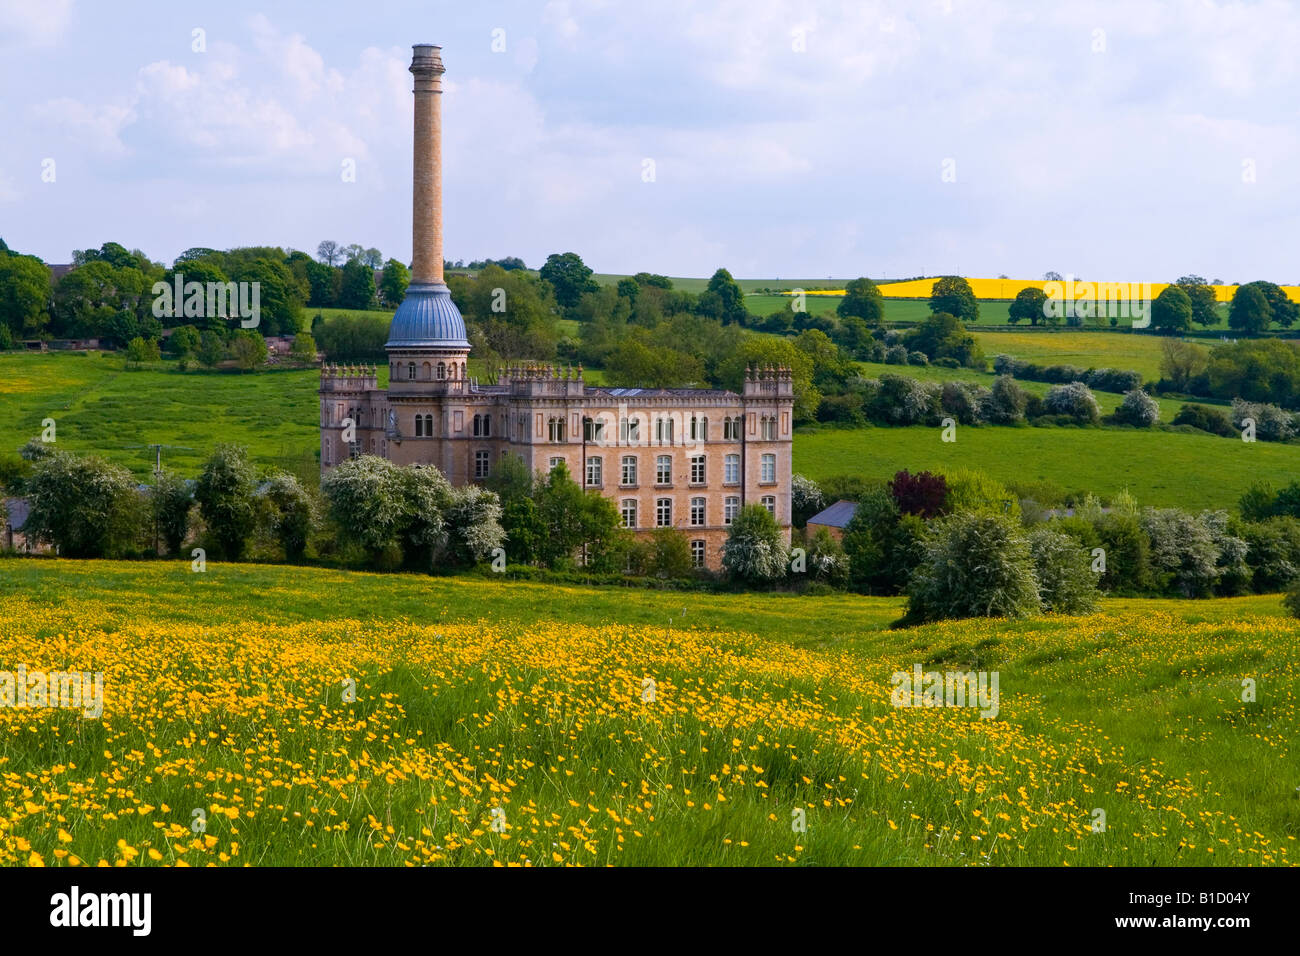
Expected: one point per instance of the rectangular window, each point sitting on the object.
(664, 430)
(697, 512)
(731, 469)
(629, 430)
(697, 470)
(768, 473)
(628, 476)
(555, 463)
(730, 508)
(664, 470)
(593, 429)
(595, 472)
(664, 513)
(481, 464)
(769, 503)
(697, 554)
(628, 511)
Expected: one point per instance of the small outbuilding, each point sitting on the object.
(834, 519)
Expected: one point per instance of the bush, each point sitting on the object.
(1183, 552)
(973, 565)
(1207, 419)
(1074, 400)
(293, 513)
(1139, 409)
(225, 491)
(473, 525)
(964, 401)
(923, 494)
(917, 358)
(896, 355)
(946, 362)
(1127, 551)
(904, 401)
(1006, 402)
(827, 561)
(1066, 582)
(1271, 423)
(667, 554)
(170, 502)
(85, 507)
(806, 499)
(754, 551)
(975, 491)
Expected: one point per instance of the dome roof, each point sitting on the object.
(427, 318)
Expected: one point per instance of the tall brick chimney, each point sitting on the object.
(426, 220)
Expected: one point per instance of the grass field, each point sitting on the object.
(1159, 468)
(497, 723)
(99, 406)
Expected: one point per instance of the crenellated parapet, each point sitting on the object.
(769, 381)
(348, 378)
(542, 380)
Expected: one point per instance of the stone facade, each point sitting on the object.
(682, 458)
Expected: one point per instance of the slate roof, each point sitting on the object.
(837, 515)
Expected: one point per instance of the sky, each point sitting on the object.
(1138, 140)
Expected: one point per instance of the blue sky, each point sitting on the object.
(1135, 140)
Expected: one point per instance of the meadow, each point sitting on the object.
(1160, 468)
(293, 716)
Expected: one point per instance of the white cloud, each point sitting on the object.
(37, 22)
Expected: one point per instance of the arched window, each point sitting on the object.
(555, 428)
(419, 426)
(428, 426)
(442, 371)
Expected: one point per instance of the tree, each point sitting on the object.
(862, 299)
(513, 314)
(941, 335)
(953, 294)
(762, 351)
(568, 276)
(425, 498)
(972, 490)
(923, 494)
(668, 554)
(1029, 304)
(1066, 582)
(723, 300)
(85, 507)
(184, 341)
(473, 525)
(357, 290)
(212, 350)
(1205, 310)
(293, 513)
(1007, 402)
(1281, 309)
(560, 506)
(1075, 400)
(827, 561)
(974, 565)
(1249, 310)
(806, 499)
(754, 552)
(367, 499)
(24, 295)
(1181, 361)
(226, 494)
(1139, 409)
(170, 503)
(249, 349)
(1183, 550)
(323, 284)
(304, 348)
(393, 283)
(1052, 276)
(1172, 310)
(140, 350)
